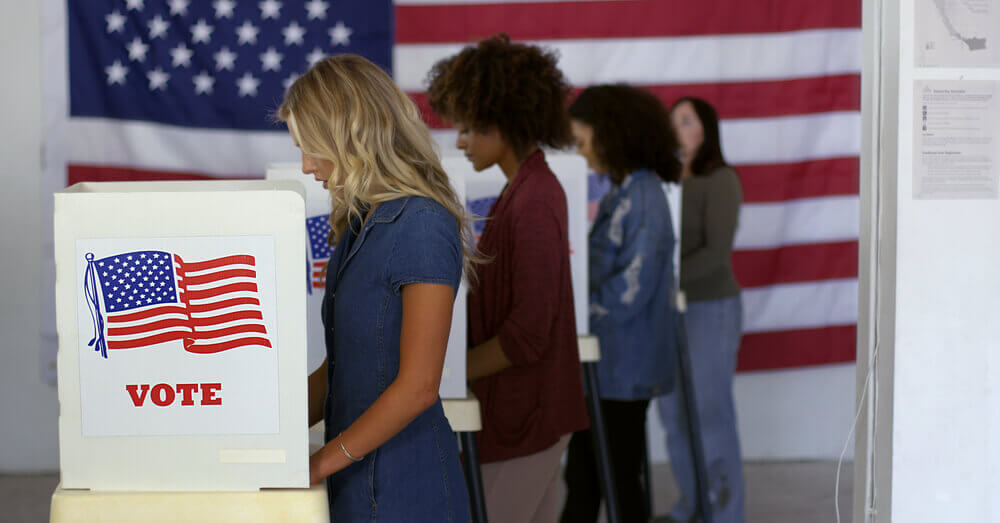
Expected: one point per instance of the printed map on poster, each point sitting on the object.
(957, 33)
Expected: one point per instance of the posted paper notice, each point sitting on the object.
(957, 33)
(956, 124)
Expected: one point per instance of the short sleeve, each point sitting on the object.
(428, 248)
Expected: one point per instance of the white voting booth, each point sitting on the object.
(479, 191)
(316, 229)
(181, 318)
(483, 188)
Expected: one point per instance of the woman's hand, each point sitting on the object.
(316, 467)
(328, 460)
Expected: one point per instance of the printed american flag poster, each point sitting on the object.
(318, 229)
(177, 334)
(178, 89)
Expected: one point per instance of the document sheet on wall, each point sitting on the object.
(956, 124)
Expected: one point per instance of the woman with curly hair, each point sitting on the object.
(507, 100)
(402, 241)
(624, 133)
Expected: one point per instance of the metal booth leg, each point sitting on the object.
(473, 476)
(605, 467)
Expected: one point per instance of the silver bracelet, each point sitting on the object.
(344, 449)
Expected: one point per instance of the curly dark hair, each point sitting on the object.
(516, 87)
(631, 131)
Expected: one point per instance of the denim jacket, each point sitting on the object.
(632, 289)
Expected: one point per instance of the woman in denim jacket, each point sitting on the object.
(625, 133)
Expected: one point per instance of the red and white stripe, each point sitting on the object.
(319, 274)
(150, 326)
(783, 74)
(223, 304)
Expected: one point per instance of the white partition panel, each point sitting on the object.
(181, 320)
(318, 252)
(482, 189)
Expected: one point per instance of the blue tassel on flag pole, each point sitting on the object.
(90, 290)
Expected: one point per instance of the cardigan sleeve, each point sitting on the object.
(536, 261)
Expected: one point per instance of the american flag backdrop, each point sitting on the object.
(157, 89)
(144, 298)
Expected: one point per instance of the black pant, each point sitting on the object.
(626, 430)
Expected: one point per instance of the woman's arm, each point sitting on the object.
(536, 265)
(486, 359)
(423, 339)
(317, 394)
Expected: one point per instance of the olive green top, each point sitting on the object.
(710, 211)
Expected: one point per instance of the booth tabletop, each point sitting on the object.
(269, 505)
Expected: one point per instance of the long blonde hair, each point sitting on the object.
(348, 111)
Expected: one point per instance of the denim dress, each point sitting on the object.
(416, 475)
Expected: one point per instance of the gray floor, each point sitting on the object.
(777, 492)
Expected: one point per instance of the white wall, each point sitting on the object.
(945, 412)
(792, 414)
(28, 407)
(788, 414)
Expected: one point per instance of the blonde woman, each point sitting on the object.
(402, 243)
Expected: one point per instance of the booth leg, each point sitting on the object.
(703, 503)
(647, 476)
(473, 476)
(605, 467)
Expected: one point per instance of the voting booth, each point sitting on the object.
(316, 230)
(182, 351)
(483, 188)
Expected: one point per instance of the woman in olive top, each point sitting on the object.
(709, 215)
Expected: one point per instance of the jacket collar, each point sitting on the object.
(534, 162)
(386, 212)
(633, 176)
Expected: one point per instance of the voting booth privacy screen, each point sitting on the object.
(483, 188)
(182, 351)
(479, 191)
(318, 252)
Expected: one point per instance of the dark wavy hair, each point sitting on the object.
(516, 87)
(709, 156)
(631, 130)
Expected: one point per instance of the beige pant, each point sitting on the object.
(523, 490)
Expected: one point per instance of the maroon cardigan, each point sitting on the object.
(525, 297)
